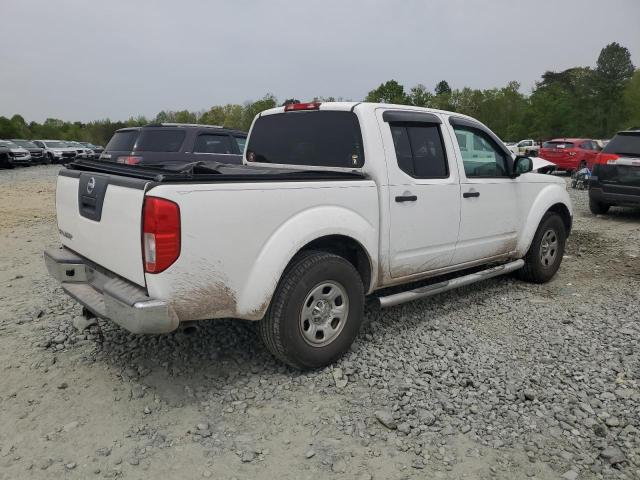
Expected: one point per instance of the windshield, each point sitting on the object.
(8, 144)
(122, 141)
(317, 138)
(557, 144)
(55, 144)
(26, 143)
(624, 144)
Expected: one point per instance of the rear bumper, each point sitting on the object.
(109, 296)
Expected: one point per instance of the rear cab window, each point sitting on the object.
(160, 140)
(122, 141)
(323, 138)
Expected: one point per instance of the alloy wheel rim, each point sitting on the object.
(324, 313)
(549, 247)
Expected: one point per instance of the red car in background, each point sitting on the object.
(570, 154)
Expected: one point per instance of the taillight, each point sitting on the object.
(292, 107)
(606, 158)
(129, 160)
(160, 234)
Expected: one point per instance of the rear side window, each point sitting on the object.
(160, 140)
(624, 144)
(214, 144)
(123, 141)
(318, 138)
(556, 144)
(241, 142)
(419, 150)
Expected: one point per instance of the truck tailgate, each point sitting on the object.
(100, 218)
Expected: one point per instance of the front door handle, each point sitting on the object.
(406, 198)
(470, 194)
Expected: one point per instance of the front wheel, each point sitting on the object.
(598, 208)
(316, 311)
(545, 253)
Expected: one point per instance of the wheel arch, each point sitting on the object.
(553, 198)
(348, 248)
(332, 229)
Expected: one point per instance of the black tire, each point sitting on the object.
(282, 328)
(598, 208)
(49, 159)
(539, 269)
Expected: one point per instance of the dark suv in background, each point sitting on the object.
(175, 143)
(616, 173)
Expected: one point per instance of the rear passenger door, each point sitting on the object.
(424, 193)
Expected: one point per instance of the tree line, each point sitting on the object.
(580, 101)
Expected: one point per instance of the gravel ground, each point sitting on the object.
(498, 380)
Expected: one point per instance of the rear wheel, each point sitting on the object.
(49, 159)
(545, 253)
(316, 311)
(598, 208)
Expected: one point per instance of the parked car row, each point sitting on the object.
(33, 152)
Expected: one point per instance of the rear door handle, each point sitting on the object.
(470, 194)
(406, 198)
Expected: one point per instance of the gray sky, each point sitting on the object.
(90, 59)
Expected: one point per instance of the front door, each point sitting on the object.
(424, 194)
(489, 208)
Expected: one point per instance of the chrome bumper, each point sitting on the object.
(109, 296)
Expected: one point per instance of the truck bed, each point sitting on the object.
(239, 226)
(209, 172)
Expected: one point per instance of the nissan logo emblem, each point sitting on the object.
(91, 184)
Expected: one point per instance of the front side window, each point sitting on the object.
(419, 150)
(315, 138)
(213, 144)
(480, 154)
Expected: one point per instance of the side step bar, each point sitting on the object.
(422, 292)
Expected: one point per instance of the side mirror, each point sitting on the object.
(521, 165)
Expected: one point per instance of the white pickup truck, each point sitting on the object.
(526, 147)
(334, 202)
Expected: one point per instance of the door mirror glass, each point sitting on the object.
(522, 165)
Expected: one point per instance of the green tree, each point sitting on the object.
(443, 88)
(251, 109)
(613, 70)
(419, 96)
(632, 101)
(388, 92)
